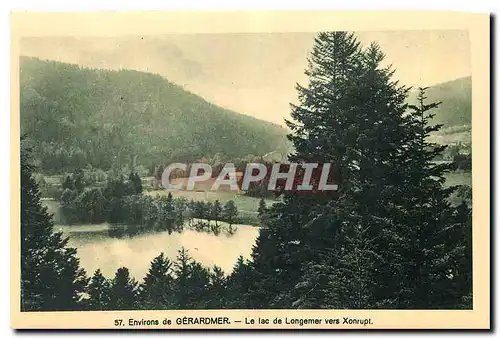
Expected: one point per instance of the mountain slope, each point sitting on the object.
(78, 116)
(456, 98)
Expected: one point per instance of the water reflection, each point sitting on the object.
(109, 247)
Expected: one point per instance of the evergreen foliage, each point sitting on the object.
(124, 291)
(99, 292)
(51, 279)
(157, 288)
(391, 221)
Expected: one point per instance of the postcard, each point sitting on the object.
(250, 170)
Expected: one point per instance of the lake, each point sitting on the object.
(98, 249)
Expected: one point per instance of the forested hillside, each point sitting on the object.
(78, 116)
(456, 106)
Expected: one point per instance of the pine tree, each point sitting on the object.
(464, 192)
(123, 291)
(230, 215)
(67, 205)
(158, 174)
(391, 209)
(433, 254)
(462, 270)
(190, 212)
(115, 187)
(192, 283)
(198, 286)
(156, 290)
(216, 213)
(163, 213)
(149, 208)
(135, 183)
(132, 209)
(182, 274)
(99, 290)
(262, 207)
(68, 183)
(51, 278)
(350, 279)
(209, 211)
(79, 179)
(315, 289)
(371, 184)
(90, 206)
(181, 211)
(168, 212)
(217, 289)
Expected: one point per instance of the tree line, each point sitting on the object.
(182, 284)
(121, 202)
(391, 239)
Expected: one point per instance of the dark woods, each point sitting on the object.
(183, 284)
(121, 203)
(390, 239)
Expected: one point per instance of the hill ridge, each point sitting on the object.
(102, 117)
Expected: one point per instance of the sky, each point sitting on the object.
(254, 74)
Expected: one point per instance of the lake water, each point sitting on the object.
(98, 249)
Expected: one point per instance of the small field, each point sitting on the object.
(247, 206)
(243, 202)
(452, 135)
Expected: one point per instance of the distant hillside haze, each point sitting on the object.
(456, 98)
(260, 70)
(78, 116)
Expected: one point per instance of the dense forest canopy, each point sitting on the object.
(77, 116)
